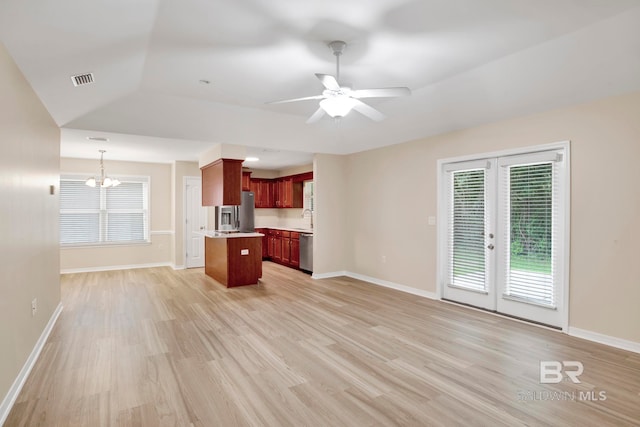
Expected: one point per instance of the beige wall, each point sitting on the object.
(392, 191)
(29, 258)
(330, 237)
(161, 229)
(180, 170)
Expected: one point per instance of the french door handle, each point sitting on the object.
(490, 246)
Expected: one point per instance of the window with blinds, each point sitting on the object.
(528, 233)
(95, 216)
(308, 202)
(466, 229)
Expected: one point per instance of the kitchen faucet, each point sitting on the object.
(310, 215)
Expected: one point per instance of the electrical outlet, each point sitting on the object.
(34, 306)
(384, 259)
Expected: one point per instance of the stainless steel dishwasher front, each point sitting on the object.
(306, 252)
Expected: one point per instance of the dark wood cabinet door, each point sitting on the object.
(246, 181)
(277, 193)
(286, 251)
(271, 239)
(286, 247)
(265, 241)
(265, 246)
(295, 252)
(277, 248)
(287, 190)
(267, 194)
(266, 200)
(254, 186)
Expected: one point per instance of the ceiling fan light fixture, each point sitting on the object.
(337, 106)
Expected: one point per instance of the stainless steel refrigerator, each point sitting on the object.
(246, 213)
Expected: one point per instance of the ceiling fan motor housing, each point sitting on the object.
(337, 47)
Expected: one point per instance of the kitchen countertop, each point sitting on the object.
(224, 235)
(297, 230)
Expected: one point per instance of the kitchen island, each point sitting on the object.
(233, 259)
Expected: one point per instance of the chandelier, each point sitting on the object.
(103, 181)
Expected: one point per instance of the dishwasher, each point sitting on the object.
(306, 252)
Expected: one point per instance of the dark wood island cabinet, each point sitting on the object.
(233, 259)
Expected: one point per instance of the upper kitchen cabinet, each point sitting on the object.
(246, 181)
(263, 192)
(222, 183)
(289, 194)
(285, 192)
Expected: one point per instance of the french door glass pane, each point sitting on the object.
(466, 230)
(530, 234)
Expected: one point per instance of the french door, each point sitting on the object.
(504, 242)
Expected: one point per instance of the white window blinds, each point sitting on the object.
(467, 219)
(104, 215)
(308, 202)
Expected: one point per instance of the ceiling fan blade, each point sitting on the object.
(385, 92)
(306, 98)
(316, 116)
(328, 81)
(368, 111)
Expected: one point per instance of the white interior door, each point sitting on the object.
(195, 223)
(506, 244)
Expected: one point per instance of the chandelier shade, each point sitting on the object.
(103, 180)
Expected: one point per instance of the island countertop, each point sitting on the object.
(226, 235)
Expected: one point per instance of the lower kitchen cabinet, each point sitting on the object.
(265, 241)
(285, 242)
(295, 250)
(283, 247)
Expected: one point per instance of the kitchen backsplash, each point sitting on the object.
(287, 218)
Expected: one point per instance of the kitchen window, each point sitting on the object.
(308, 201)
(103, 216)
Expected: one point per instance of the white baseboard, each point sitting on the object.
(392, 285)
(379, 282)
(115, 267)
(328, 275)
(605, 339)
(178, 267)
(16, 387)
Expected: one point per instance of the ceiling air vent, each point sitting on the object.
(82, 79)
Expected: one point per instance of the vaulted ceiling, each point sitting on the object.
(467, 62)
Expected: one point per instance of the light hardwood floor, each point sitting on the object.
(154, 347)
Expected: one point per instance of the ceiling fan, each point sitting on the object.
(337, 101)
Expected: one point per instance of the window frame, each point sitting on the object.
(103, 212)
